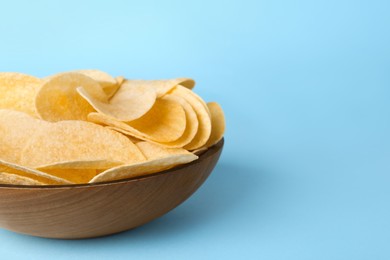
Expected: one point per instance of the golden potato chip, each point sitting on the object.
(144, 168)
(192, 123)
(202, 113)
(66, 141)
(165, 122)
(31, 173)
(217, 123)
(109, 84)
(76, 176)
(58, 99)
(161, 87)
(16, 128)
(193, 94)
(189, 132)
(154, 151)
(130, 102)
(9, 178)
(17, 91)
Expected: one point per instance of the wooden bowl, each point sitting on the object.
(92, 210)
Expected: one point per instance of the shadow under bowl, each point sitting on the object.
(99, 209)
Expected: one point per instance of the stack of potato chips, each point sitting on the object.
(86, 126)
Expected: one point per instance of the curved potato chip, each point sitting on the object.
(10, 178)
(143, 168)
(165, 122)
(163, 86)
(76, 176)
(16, 128)
(109, 84)
(217, 123)
(17, 91)
(192, 123)
(31, 173)
(193, 94)
(66, 141)
(202, 113)
(58, 99)
(153, 151)
(129, 103)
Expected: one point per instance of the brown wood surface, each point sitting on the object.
(92, 210)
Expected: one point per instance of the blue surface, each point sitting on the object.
(305, 86)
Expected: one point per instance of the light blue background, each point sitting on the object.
(305, 86)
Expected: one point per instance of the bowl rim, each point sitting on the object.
(210, 150)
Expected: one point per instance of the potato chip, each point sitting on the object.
(109, 84)
(143, 168)
(161, 87)
(9, 178)
(16, 128)
(165, 122)
(154, 151)
(76, 176)
(192, 123)
(66, 141)
(130, 102)
(17, 91)
(204, 129)
(58, 99)
(217, 123)
(193, 94)
(31, 173)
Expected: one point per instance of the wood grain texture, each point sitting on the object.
(92, 210)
